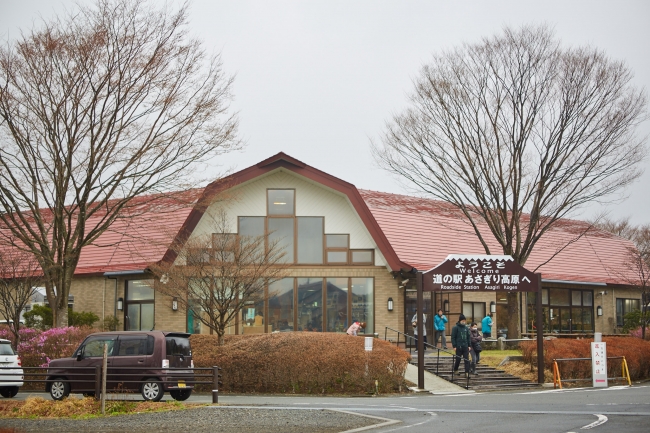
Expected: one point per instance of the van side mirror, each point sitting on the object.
(80, 354)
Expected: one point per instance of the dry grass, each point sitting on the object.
(38, 407)
(303, 363)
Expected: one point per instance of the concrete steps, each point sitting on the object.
(488, 378)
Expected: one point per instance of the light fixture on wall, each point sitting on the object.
(493, 307)
(390, 304)
(120, 304)
(599, 311)
(445, 306)
(175, 304)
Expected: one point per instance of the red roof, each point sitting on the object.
(140, 237)
(424, 231)
(409, 231)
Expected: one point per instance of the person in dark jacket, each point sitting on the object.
(461, 340)
(475, 339)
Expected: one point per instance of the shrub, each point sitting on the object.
(635, 351)
(111, 323)
(637, 333)
(40, 317)
(632, 320)
(302, 362)
(37, 347)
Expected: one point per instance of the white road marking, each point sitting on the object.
(433, 417)
(602, 419)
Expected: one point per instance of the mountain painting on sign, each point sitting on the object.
(480, 273)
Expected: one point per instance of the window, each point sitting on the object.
(280, 201)
(251, 226)
(177, 345)
(316, 304)
(474, 312)
(94, 346)
(281, 232)
(194, 317)
(135, 345)
(337, 304)
(281, 305)
(310, 240)
(564, 310)
(360, 257)
(223, 247)
(310, 304)
(337, 248)
(363, 307)
(624, 306)
(139, 305)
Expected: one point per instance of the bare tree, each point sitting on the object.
(518, 132)
(106, 103)
(636, 271)
(216, 275)
(19, 277)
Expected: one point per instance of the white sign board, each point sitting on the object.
(599, 364)
(369, 344)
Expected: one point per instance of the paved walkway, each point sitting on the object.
(432, 383)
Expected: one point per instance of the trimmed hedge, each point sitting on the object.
(635, 351)
(302, 362)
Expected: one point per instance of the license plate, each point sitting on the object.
(181, 384)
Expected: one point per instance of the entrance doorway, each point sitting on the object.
(410, 305)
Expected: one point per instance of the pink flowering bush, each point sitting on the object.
(637, 333)
(37, 348)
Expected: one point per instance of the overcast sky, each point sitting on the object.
(318, 79)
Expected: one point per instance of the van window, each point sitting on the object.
(135, 345)
(6, 349)
(178, 346)
(94, 346)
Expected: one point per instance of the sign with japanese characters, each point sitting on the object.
(599, 364)
(486, 273)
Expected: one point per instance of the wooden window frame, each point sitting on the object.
(372, 256)
(281, 215)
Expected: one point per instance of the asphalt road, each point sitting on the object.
(614, 409)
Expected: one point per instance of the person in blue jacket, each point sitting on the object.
(486, 326)
(439, 322)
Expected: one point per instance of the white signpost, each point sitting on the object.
(599, 364)
(368, 344)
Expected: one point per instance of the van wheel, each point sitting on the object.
(152, 390)
(59, 389)
(9, 391)
(180, 394)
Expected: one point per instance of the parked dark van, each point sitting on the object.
(137, 361)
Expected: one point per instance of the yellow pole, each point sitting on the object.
(556, 374)
(627, 372)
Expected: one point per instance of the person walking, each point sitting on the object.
(475, 339)
(460, 340)
(439, 322)
(486, 326)
(414, 322)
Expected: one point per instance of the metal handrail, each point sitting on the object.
(412, 337)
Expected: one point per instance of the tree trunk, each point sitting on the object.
(513, 316)
(61, 315)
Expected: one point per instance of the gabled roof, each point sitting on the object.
(424, 231)
(286, 162)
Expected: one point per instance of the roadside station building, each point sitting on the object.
(351, 253)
